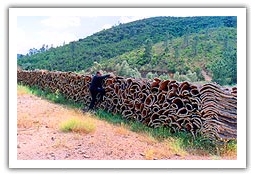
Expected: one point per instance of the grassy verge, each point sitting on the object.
(181, 140)
(55, 97)
(78, 125)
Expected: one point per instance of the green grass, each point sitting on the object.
(23, 90)
(55, 97)
(182, 140)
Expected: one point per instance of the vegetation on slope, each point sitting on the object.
(187, 55)
(162, 44)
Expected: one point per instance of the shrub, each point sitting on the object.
(77, 125)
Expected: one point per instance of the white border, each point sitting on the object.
(241, 106)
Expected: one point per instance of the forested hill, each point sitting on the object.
(121, 39)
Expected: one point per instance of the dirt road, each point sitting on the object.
(39, 137)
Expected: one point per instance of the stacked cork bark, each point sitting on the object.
(208, 109)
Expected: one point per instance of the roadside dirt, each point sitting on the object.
(39, 137)
(206, 76)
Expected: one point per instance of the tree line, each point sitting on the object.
(169, 43)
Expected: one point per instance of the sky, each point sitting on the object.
(35, 27)
(34, 31)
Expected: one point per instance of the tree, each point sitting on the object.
(176, 52)
(225, 69)
(42, 49)
(166, 43)
(194, 45)
(148, 50)
(185, 41)
(72, 47)
(172, 66)
(125, 70)
(112, 44)
(96, 67)
(230, 21)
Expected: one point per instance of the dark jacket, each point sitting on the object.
(97, 82)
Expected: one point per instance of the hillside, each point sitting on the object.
(167, 44)
(196, 52)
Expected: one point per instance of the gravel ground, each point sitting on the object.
(39, 137)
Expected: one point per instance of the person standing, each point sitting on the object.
(96, 87)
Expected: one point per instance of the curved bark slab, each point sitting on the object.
(207, 109)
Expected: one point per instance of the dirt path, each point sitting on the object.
(206, 76)
(39, 137)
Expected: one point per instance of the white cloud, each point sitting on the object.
(55, 38)
(107, 26)
(23, 41)
(123, 19)
(30, 37)
(61, 22)
(127, 19)
(28, 41)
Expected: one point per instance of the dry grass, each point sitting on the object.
(58, 143)
(174, 146)
(150, 140)
(122, 130)
(26, 123)
(78, 124)
(21, 90)
(149, 154)
(67, 118)
(228, 150)
(163, 150)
